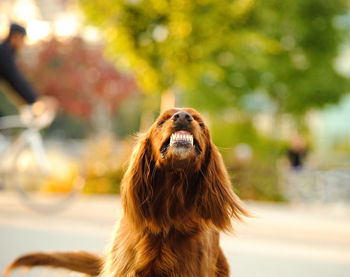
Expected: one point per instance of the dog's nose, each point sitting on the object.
(182, 118)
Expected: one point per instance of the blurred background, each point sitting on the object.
(270, 77)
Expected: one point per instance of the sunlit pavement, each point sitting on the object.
(281, 240)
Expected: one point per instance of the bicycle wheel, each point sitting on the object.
(46, 180)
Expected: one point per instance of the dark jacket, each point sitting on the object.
(9, 72)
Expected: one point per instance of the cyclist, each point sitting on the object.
(10, 72)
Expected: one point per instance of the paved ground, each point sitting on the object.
(281, 241)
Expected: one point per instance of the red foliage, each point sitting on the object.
(78, 75)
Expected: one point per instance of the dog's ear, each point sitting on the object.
(218, 201)
(137, 182)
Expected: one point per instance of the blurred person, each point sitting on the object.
(10, 72)
(297, 152)
(300, 183)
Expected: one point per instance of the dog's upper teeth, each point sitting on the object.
(181, 137)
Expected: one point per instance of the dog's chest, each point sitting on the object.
(173, 255)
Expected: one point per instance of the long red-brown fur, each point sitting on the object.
(76, 261)
(173, 212)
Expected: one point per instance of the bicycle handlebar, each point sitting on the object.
(38, 119)
(36, 116)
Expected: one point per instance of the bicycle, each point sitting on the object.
(35, 174)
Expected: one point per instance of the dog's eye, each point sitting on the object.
(199, 120)
(160, 123)
(163, 120)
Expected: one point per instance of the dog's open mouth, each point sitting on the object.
(180, 141)
(181, 138)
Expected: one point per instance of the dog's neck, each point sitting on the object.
(172, 203)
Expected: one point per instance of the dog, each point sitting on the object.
(176, 198)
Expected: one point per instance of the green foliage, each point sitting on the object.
(186, 43)
(215, 51)
(258, 181)
(108, 183)
(127, 119)
(104, 164)
(219, 54)
(257, 176)
(67, 126)
(303, 71)
(6, 106)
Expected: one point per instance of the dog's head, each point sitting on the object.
(179, 139)
(176, 177)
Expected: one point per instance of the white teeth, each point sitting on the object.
(181, 137)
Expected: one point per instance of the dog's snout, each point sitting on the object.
(182, 118)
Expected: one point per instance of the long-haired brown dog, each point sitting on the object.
(176, 197)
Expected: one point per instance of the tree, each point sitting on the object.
(218, 51)
(79, 77)
(302, 75)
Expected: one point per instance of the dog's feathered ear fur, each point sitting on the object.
(137, 183)
(218, 201)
